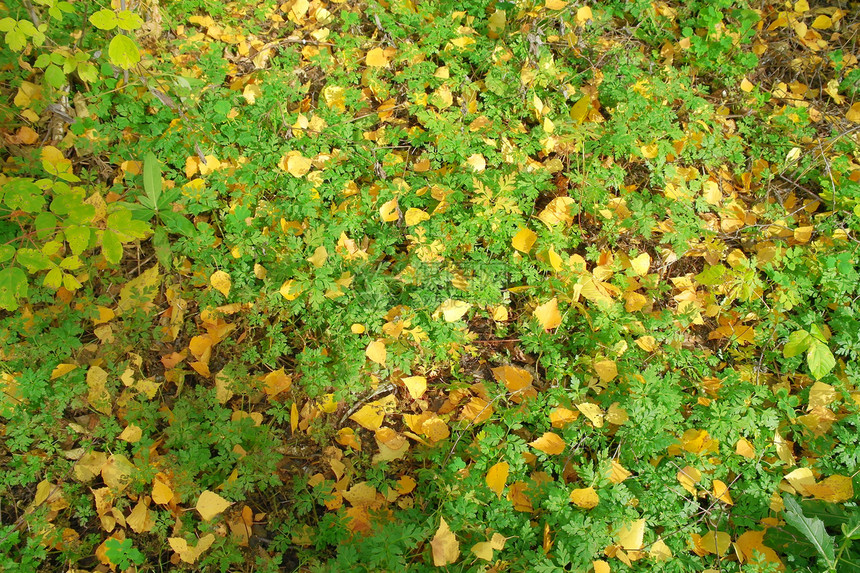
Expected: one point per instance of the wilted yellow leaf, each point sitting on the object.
(853, 114)
(376, 352)
(477, 410)
(140, 519)
(416, 385)
(583, 15)
(446, 548)
(369, 416)
(616, 415)
(210, 504)
(220, 280)
(62, 370)
(98, 397)
(550, 444)
(560, 417)
(618, 473)
(251, 93)
(586, 498)
(376, 58)
(548, 314)
(497, 476)
(524, 240)
(276, 382)
(579, 110)
(556, 4)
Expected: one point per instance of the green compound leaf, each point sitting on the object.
(123, 52)
(13, 286)
(820, 359)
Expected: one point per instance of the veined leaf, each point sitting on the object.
(812, 529)
(798, 342)
(152, 179)
(820, 359)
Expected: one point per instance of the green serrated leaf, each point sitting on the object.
(54, 278)
(78, 238)
(177, 223)
(32, 260)
(152, 179)
(798, 342)
(24, 195)
(13, 287)
(812, 529)
(111, 247)
(820, 359)
(104, 19)
(126, 228)
(6, 253)
(123, 52)
(55, 76)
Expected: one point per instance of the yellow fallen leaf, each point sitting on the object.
(821, 394)
(524, 240)
(630, 536)
(606, 370)
(660, 551)
(601, 566)
(290, 290)
(369, 416)
(745, 448)
(647, 343)
(161, 492)
(210, 504)
(446, 548)
(62, 370)
(376, 58)
(617, 473)
(477, 162)
(853, 114)
(550, 444)
(389, 211)
(641, 264)
(131, 434)
(416, 385)
(592, 412)
(616, 414)
(415, 216)
(187, 553)
(751, 544)
(376, 352)
(583, 15)
(721, 492)
(688, 478)
(555, 4)
(586, 498)
(140, 519)
(548, 314)
(319, 257)
(251, 93)
(557, 212)
(716, 542)
(452, 310)
(835, 489)
(296, 164)
(276, 382)
(497, 476)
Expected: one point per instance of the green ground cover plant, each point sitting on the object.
(331, 285)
